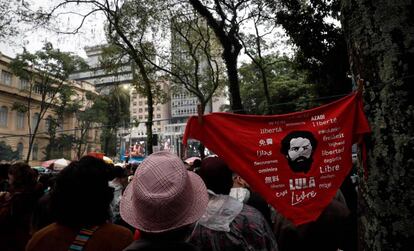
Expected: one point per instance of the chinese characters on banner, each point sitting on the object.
(296, 161)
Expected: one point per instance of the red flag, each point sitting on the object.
(296, 161)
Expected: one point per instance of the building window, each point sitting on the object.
(140, 102)
(158, 116)
(20, 120)
(38, 88)
(24, 84)
(158, 108)
(3, 116)
(20, 150)
(140, 110)
(35, 120)
(48, 122)
(35, 152)
(6, 77)
(61, 123)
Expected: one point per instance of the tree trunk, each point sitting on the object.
(231, 49)
(32, 138)
(234, 89)
(269, 108)
(380, 37)
(107, 138)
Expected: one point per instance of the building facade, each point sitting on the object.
(169, 118)
(99, 77)
(14, 126)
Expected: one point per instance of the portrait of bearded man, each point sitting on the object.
(298, 148)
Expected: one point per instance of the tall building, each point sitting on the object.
(139, 113)
(99, 77)
(184, 103)
(14, 129)
(169, 119)
(104, 81)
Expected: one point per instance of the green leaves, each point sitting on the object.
(20, 107)
(7, 153)
(48, 63)
(288, 89)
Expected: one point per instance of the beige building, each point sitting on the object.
(14, 129)
(139, 111)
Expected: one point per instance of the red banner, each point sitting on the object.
(296, 161)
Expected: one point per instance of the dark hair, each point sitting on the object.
(4, 170)
(216, 175)
(47, 179)
(81, 195)
(196, 163)
(117, 172)
(24, 177)
(285, 144)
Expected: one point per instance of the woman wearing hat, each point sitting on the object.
(163, 202)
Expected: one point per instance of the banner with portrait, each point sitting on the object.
(296, 161)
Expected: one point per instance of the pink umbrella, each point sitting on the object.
(58, 164)
(48, 162)
(191, 160)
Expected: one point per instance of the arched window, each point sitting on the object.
(20, 120)
(6, 77)
(20, 150)
(24, 84)
(48, 122)
(3, 116)
(35, 119)
(61, 124)
(35, 152)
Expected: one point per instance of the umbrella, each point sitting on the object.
(107, 160)
(48, 162)
(58, 164)
(40, 169)
(101, 156)
(96, 155)
(191, 160)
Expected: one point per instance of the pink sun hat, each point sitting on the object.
(163, 195)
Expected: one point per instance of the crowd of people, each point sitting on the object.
(166, 205)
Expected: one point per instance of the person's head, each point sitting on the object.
(238, 181)
(298, 147)
(47, 179)
(21, 177)
(119, 175)
(163, 198)
(216, 175)
(196, 164)
(81, 195)
(4, 171)
(240, 189)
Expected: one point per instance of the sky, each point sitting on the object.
(92, 33)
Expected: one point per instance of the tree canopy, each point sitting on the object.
(288, 90)
(45, 71)
(7, 153)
